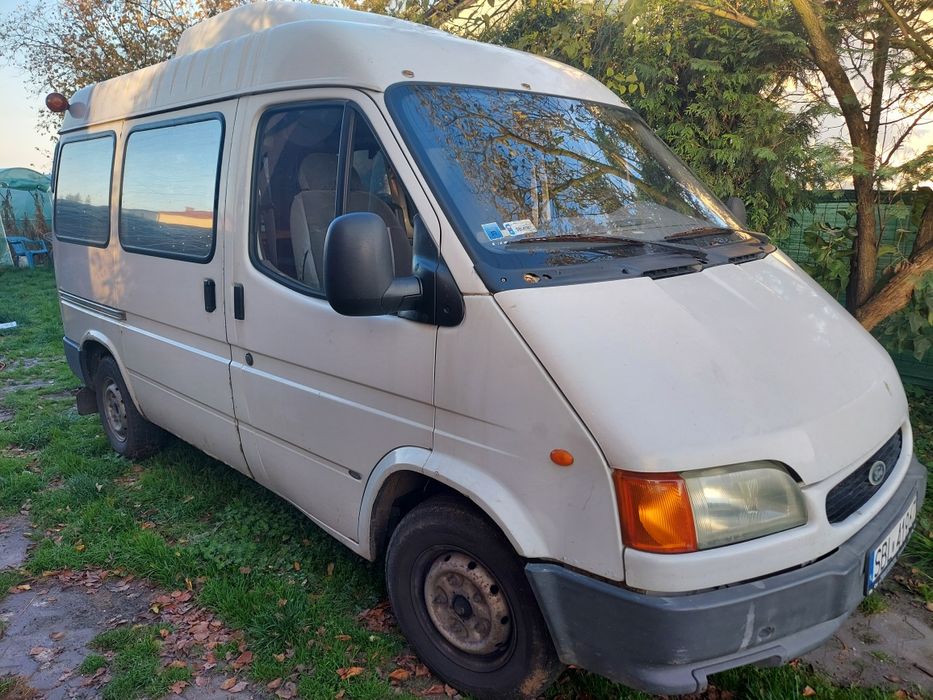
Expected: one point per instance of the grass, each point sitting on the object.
(136, 668)
(182, 519)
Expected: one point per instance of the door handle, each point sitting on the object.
(239, 312)
(210, 296)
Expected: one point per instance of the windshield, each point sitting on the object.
(536, 181)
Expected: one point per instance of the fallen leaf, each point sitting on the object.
(227, 684)
(330, 569)
(340, 695)
(178, 663)
(283, 602)
(80, 547)
(57, 636)
(296, 566)
(450, 691)
(239, 687)
(436, 689)
(288, 691)
(24, 587)
(399, 675)
(164, 633)
(245, 570)
(272, 685)
(201, 681)
(346, 673)
(343, 637)
(243, 659)
(178, 687)
(279, 657)
(808, 691)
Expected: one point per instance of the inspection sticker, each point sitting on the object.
(492, 231)
(522, 227)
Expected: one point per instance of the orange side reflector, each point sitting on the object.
(655, 512)
(562, 458)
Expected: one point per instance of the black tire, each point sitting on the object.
(442, 537)
(129, 433)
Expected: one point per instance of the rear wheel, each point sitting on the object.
(462, 600)
(129, 433)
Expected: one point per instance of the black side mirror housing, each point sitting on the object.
(359, 269)
(737, 207)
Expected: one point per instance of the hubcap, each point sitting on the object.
(115, 410)
(466, 604)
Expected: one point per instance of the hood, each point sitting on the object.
(731, 364)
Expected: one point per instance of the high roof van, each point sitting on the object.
(461, 307)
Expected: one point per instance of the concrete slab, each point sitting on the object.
(45, 634)
(14, 542)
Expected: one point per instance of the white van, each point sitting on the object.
(458, 305)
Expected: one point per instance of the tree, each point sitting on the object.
(41, 225)
(708, 90)
(66, 44)
(871, 61)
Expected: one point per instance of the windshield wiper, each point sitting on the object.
(617, 240)
(699, 231)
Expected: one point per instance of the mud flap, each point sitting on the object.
(86, 400)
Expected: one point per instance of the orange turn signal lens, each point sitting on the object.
(655, 512)
(562, 458)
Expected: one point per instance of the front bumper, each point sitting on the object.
(670, 644)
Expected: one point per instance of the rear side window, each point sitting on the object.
(82, 191)
(168, 203)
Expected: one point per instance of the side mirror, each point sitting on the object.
(737, 207)
(359, 270)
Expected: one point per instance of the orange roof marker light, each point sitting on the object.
(655, 512)
(562, 458)
(56, 102)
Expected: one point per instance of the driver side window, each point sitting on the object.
(302, 181)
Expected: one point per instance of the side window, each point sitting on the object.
(169, 194)
(298, 189)
(82, 191)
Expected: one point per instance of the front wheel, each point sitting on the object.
(462, 600)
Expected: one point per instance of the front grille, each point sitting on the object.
(855, 490)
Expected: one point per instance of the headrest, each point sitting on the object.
(318, 171)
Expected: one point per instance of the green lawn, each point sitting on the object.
(182, 519)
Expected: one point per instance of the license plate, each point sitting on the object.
(885, 553)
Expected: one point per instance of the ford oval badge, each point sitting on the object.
(877, 472)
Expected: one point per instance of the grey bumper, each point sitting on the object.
(670, 644)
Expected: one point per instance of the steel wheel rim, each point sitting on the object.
(115, 410)
(466, 605)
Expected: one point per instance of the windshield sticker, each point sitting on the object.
(522, 227)
(492, 231)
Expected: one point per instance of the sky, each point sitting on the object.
(20, 144)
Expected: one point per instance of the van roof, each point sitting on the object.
(269, 46)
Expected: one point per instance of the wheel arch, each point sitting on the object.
(94, 347)
(403, 479)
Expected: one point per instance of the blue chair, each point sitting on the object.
(27, 248)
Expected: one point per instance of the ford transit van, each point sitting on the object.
(461, 307)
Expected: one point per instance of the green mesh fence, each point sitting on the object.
(894, 221)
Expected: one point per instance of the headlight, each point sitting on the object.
(707, 508)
